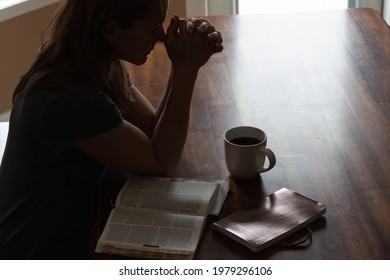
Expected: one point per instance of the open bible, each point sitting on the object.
(161, 218)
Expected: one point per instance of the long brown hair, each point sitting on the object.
(77, 53)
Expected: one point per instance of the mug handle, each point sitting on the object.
(271, 158)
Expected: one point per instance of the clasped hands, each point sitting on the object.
(205, 27)
(192, 41)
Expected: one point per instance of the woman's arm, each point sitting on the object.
(135, 148)
(141, 113)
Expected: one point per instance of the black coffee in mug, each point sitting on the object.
(246, 151)
(245, 141)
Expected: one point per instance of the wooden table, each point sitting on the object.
(319, 84)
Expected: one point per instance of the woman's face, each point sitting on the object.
(135, 43)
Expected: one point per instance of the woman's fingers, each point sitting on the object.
(201, 25)
(205, 27)
(171, 31)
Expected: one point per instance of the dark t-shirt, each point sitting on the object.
(47, 185)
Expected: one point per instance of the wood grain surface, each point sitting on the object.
(319, 84)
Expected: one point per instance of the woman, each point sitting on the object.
(75, 112)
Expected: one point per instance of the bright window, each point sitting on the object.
(13, 8)
(9, 3)
(280, 6)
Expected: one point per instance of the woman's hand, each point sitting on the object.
(205, 27)
(191, 48)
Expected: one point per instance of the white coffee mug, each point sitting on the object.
(245, 152)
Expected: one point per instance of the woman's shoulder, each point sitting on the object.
(64, 91)
(66, 100)
(67, 94)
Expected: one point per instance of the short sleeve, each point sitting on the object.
(76, 115)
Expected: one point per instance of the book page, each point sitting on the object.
(220, 197)
(132, 228)
(166, 194)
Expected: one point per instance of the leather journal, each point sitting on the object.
(271, 219)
